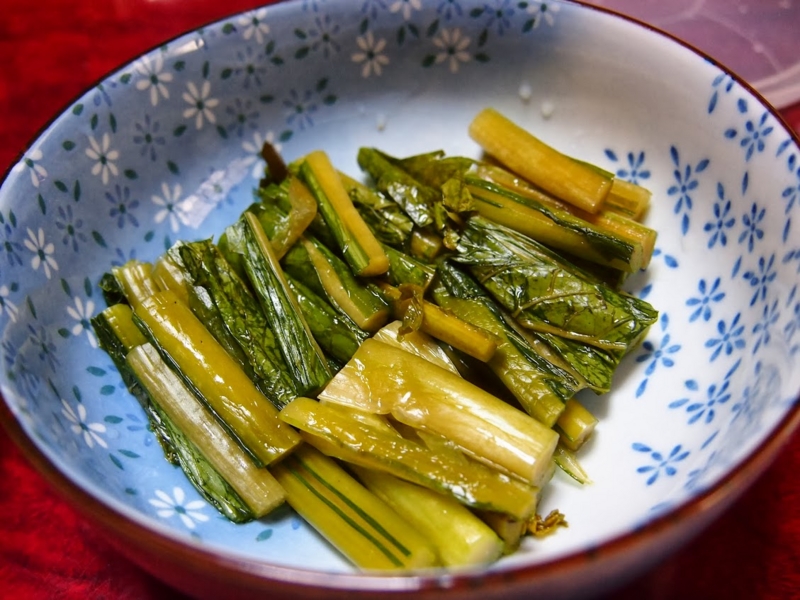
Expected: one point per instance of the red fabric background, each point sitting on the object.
(52, 51)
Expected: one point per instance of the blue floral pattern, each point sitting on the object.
(167, 148)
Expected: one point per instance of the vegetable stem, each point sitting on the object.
(256, 486)
(338, 433)
(354, 520)
(215, 377)
(384, 379)
(135, 279)
(539, 163)
(355, 240)
(313, 264)
(460, 538)
(302, 355)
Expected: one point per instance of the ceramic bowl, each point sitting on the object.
(167, 148)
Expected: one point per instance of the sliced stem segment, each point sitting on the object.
(539, 163)
(257, 487)
(217, 380)
(355, 240)
(576, 425)
(313, 264)
(302, 355)
(444, 325)
(616, 221)
(385, 379)
(136, 281)
(118, 335)
(555, 228)
(354, 520)
(336, 431)
(460, 538)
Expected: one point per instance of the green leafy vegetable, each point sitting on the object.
(242, 316)
(546, 293)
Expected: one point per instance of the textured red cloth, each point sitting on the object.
(51, 52)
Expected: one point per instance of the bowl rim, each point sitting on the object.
(132, 539)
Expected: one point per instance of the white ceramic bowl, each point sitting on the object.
(167, 147)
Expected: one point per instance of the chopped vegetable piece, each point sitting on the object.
(355, 240)
(384, 379)
(628, 199)
(358, 523)
(426, 245)
(415, 198)
(460, 538)
(416, 342)
(119, 336)
(118, 333)
(539, 163)
(555, 228)
(547, 294)
(257, 487)
(334, 430)
(302, 355)
(632, 230)
(313, 264)
(301, 207)
(216, 378)
(384, 216)
(243, 318)
(335, 332)
(418, 313)
(445, 175)
(171, 274)
(135, 281)
(615, 221)
(575, 425)
(567, 461)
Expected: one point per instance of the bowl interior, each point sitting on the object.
(167, 148)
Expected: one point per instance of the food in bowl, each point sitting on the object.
(337, 347)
